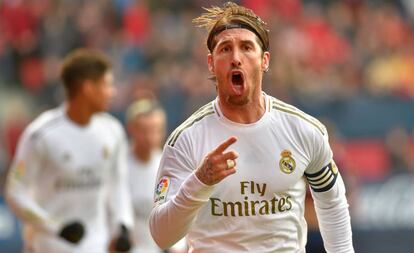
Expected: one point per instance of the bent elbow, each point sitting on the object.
(162, 244)
(158, 233)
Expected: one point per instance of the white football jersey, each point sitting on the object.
(64, 172)
(142, 178)
(260, 208)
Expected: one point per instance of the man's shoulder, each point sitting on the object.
(108, 118)
(190, 124)
(300, 119)
(109, 121)
(45, 122)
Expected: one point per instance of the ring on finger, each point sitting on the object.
(230, 164)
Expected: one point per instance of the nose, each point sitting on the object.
(236, 61)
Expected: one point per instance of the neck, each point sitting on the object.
(244, 114)
(78, 112)
(141, 154)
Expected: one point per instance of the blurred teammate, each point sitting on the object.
(70, 166)
(146, 128)
(146, 124)
(233, 176)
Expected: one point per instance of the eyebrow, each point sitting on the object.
(228, 41)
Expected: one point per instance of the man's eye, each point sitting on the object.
(225, 49)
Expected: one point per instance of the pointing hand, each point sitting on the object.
(218, 164)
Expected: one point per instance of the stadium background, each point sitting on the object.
(350, 63)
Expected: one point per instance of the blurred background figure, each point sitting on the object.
(146, 126)
(348, 61)
(401, 151)
(71, 165)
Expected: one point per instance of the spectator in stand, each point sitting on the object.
(399, 144)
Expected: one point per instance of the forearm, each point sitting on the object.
(23, 175)
(27, 209)
(120, 205)
(334, 219)
(119, 195)
(169, 222)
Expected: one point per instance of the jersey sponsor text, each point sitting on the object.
(249, 207)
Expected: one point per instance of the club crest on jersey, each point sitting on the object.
(105, 152)
(161, 190)
(286, 163)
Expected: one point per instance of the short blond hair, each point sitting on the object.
(232, 15)
(142, 107)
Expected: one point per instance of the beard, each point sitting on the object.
(238, 100)
(248, 93)
(249, 90)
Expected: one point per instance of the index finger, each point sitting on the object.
(224, 145)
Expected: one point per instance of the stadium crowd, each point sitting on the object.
(323, 52)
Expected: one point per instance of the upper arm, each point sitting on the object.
(27, 161)
(25, 172)
(322, 172)
(175, 167)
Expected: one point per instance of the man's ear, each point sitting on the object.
(210, 63)
(86, 87)
(265, 61)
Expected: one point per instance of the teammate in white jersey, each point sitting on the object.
(233, 176)
(70, 166)
(146, 125)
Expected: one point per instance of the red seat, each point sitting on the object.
(368, 159)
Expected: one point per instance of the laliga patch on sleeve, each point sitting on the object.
(161, 190)
(20, 170)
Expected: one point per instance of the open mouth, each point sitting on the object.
(237, 80)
